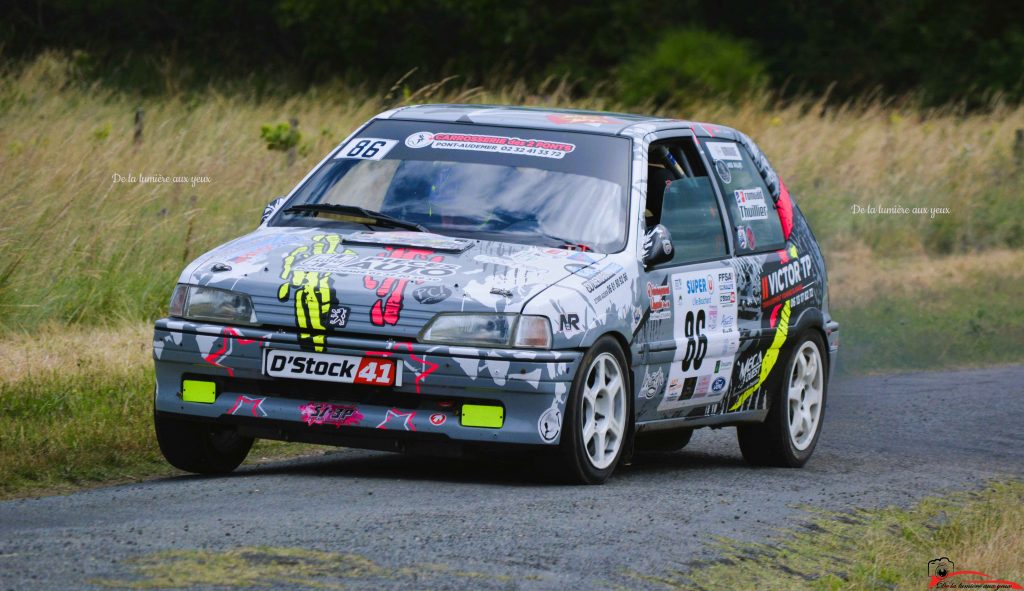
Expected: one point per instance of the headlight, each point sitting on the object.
(496, 330)
(209, 303)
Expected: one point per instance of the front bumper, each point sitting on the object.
(436, 382)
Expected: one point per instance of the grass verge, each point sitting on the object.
(85, 421)
(885, 548)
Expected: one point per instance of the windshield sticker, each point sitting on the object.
(489, 143)
(416, 239)
(366, 148)
(751, 204)
(724, 151)
(723, 172)
(377, 266)
(574, 119)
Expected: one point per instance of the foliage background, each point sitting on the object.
(938, 50)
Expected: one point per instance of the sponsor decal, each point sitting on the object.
(611, 287)
(397, 263)
(549, 425)
(394, 416)
(719, 384)
(785, 281)
(431, 294)
(438, 418)
(338, 316)
(750, 238)
(576, 119)
(943, 575)
(489, 143)
(703, 383)
(661, 301)
(600, 276)
(568, 322)
(724, 150)
(252, 403)
(344, 369)
(653, 383)
(751, 204)
(366, 148)
(724, 173)
(408, 238)
(310, 289)
(741, 238)
(390, 290)
(322, 413)
(770, 356)
(704, 347)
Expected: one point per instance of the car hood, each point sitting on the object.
(382, 283)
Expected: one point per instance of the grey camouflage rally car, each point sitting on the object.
(455, 277)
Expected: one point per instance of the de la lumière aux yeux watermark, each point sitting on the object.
(160, 179)
(931, 212)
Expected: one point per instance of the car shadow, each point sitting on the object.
(509, 468)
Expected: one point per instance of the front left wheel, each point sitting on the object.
(199, 448)
(597, 427)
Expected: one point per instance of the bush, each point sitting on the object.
(689, 64)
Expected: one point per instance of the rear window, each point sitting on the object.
(752, 213)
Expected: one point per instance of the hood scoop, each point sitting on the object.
(413, 239)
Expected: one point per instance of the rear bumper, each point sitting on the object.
(436, 381)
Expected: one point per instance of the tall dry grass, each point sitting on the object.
(77, 246)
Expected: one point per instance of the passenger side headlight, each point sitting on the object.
(194, 302)
(495, 330)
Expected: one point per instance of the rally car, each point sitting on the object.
(452, 277)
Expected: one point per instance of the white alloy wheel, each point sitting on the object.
(603, 411)
(805, 387)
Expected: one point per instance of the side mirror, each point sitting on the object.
(657, 246)
(271, 208)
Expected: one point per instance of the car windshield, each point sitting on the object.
(538, 187)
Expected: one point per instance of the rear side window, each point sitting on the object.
(755, 221)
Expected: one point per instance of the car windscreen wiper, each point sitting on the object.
(565, 243)
(381, 219)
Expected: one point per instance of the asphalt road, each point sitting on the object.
(887, 439)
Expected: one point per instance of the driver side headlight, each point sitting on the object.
(194, 302)
(494, 330)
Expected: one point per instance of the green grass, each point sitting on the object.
(887, 548)
(64, 431)
(941, 326)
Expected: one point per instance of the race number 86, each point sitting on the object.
(696, 340)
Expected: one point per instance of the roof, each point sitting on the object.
(600, 122)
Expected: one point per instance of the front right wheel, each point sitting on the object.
(597, 427)
(199, 448)
(789, 434)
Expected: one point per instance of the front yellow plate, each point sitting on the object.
(198, 391)
(475, 415)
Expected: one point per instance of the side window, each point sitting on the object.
(691, 214)
(751, 209)
(680, 197)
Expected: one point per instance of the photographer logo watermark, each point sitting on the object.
(160, 179)
(931, 212)
(942, 574)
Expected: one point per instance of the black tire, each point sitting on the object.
(199, 448)
(770, 443)
(673, 440)
(572, 463)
